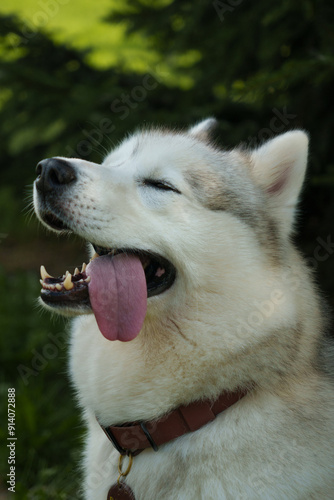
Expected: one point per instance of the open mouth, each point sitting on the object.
(73, 288)
(114, 285)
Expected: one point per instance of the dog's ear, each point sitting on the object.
(203, 129)
(279, 168)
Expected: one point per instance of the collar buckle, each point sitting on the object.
(149, 437)
(118, 447)
(111, 437)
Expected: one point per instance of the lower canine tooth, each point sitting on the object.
(68, 285)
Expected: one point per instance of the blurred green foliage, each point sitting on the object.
(33, 360)
(260, 68)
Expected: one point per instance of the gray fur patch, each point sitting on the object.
(244, 202)
(213, 193)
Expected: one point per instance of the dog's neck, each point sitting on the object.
(133, 438)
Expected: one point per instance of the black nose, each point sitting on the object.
(54, 173)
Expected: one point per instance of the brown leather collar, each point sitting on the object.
(134, 438)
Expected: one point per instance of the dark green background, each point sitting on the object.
(246, 63)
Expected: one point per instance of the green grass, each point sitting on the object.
(76, 22)
(34, 361)
(81, 24)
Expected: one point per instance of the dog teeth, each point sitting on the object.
(94, 256)
(145, 263)
(87, 280)
(83, 269)
(48, 287)
(76, 271)
(44, 273)
(68, 285)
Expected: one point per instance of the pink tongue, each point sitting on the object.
(118, 295)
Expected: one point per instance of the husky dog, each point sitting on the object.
(194, 290)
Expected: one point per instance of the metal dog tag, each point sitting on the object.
(120, 492)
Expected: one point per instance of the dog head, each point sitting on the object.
(180, 232)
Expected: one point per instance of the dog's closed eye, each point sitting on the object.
(160, 184)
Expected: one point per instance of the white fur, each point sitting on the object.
(247, 316)
(287, 157)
